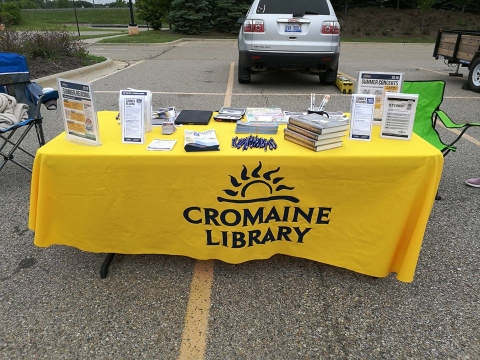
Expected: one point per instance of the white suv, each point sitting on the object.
(298, 35)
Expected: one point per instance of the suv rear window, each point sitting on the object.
(296, 7)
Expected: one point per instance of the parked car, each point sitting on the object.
(300, 35)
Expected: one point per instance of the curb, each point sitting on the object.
(51, 80)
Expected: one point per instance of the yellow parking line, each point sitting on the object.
(194, 337)
(228, 93)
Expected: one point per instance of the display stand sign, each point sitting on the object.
(78, 112)
(378, 84)
(399, 116)
(135, 115)
(361, 113)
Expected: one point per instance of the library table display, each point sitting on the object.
(363, 206)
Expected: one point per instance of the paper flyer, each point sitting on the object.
(361, 113)
(78, 112)
(399, 116)
(132, 117)
(378, 84)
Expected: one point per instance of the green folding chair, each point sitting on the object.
(428, 112)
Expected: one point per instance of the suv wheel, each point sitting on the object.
(244, 75)
(329, 76)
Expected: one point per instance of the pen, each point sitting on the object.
(324, 102)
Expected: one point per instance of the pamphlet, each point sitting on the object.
(78, 110)
(362, 109)
(378, 84)
(161, 145)
(399, 116)
(201, 140)
(135, 115)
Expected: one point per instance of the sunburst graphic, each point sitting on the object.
(255, 179)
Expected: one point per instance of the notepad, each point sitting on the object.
(194, 117)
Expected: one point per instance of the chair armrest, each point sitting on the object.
(49, 99)
(445, 119)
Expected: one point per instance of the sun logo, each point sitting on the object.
(259, 185)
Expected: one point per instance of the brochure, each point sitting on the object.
(362, 109)
(378, 84)
(399, 116)
(135, 114)
(78, 110)
(201, 140)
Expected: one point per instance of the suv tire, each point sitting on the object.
(329, 77)
(244, 75)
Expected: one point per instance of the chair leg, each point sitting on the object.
(39, 130)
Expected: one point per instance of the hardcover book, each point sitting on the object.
(312, 147)
(315, 136)
(310, 141)
(318, 124)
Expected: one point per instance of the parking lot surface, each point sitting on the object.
(53, 304)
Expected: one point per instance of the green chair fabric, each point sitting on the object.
(430, 97)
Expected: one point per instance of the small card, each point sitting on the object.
(161, 145)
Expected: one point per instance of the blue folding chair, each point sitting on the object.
(16, 120)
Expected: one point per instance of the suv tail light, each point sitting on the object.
(253, 26)
(331, 28)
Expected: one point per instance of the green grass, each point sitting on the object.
(389, 39)
(45, 19)
(40, 19)
(161, 36)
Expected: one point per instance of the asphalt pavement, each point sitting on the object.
(53, 304)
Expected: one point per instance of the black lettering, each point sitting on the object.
(258, 216)
(303, 214)
(301, 234)
(253, 237)
(186, 215)
(238, 240)
(225, 238)
(211, 215)
(268, 236)
(209, 238)
(272, 215)
(283, 232)
(236, 214)
(323, 215)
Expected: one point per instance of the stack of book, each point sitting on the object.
(315, 132)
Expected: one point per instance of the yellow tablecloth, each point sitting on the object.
(363, 206)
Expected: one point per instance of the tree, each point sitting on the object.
(225, 14)
(463, 3)
(191, 16)
(424, 5)
(153, 11)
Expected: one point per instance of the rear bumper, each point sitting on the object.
(289, 61)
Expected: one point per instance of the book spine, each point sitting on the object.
(305, 125)
(298, 142)
(300, 137)
(303, 131)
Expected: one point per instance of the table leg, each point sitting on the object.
(106, 264)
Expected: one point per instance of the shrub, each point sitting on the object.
(46, 44)
(10, 13)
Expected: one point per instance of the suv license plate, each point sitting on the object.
(296, 28)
